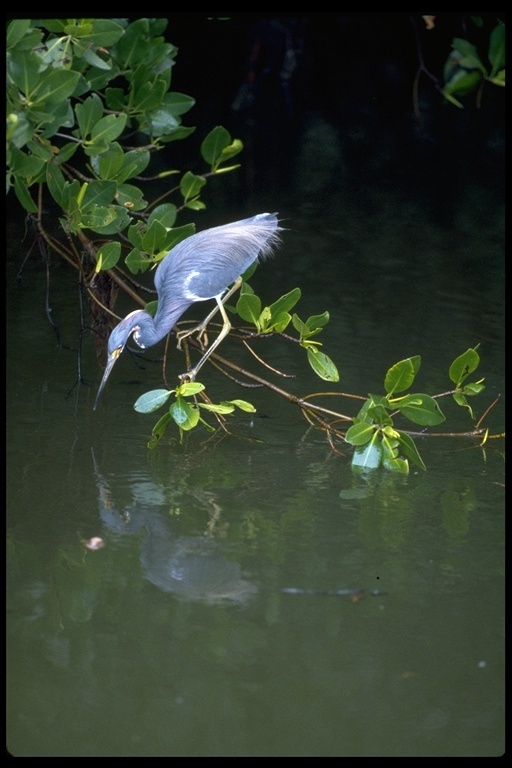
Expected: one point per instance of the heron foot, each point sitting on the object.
(202, 336)
(187, 377)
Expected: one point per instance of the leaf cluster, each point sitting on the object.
(89, 103)
(374, 435)
(377, 439)
(464, 70)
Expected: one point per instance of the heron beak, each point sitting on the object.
(106, 373)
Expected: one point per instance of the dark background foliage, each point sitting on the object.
(358, 71)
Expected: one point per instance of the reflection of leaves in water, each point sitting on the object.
(457, 508)
(355, 493)
(52, 587)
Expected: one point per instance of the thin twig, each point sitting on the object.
(266, 365)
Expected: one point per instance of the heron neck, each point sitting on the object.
(165, 318)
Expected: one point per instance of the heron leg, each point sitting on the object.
(201, 328)
(191, 375)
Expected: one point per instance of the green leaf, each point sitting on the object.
(108, 129)
(222, 408)
(279, 323)
(217, 171)
(61, 116)
(408, 448)
(184, 414)
(153, 239)
(134, 163)
(159, 430)
(165, 214)
(175, 236)
(116, 99)
(463, 366)
(190, 388)
(69, 196)
(322, 365)
(151, 401)
(55, 86)
(19, 129)
(195, 205)
(369, 456)
(191, 185)
(497, 48)
(473, 388)
(106, 220)
(56, 54)
(248, 307)
(264, 319)
(285, 303)
(135, 233)
(108, 165)
(178, 103)
(88, 114)
(92, 58)
(396, 465)
(149, 95)
(460, 399)
(401, 375)
(136, 262)
(151, 308)
(130, 197)
(316, 322)
(212, 146)
(462, 83)
(132, 46)
(246, 275)
(108, 256)
(359, 434)
(56, 183)
(16, 31)
(77, 27)
(300, 326)
(41, 149)
(243, 405)
(180, 133)
(32, 40)
(227, 153)
(23, 195)
(389, 447)
(373, 401)
(466, 55)
(452, 100)
(29, 166)
(101, 32)
(420, 409)
(499, 79)
(23, 71)
(66, 152)
(96, 193)
(379, 414)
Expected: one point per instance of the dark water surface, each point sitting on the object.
(176, 638)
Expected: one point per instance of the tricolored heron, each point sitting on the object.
(201, 267)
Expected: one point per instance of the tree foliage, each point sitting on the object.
(89, 110)
(467, 68)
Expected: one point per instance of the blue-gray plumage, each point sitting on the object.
(199, 268)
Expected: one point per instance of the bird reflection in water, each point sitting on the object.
(190, 567)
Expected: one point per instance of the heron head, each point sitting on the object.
(116, 343)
